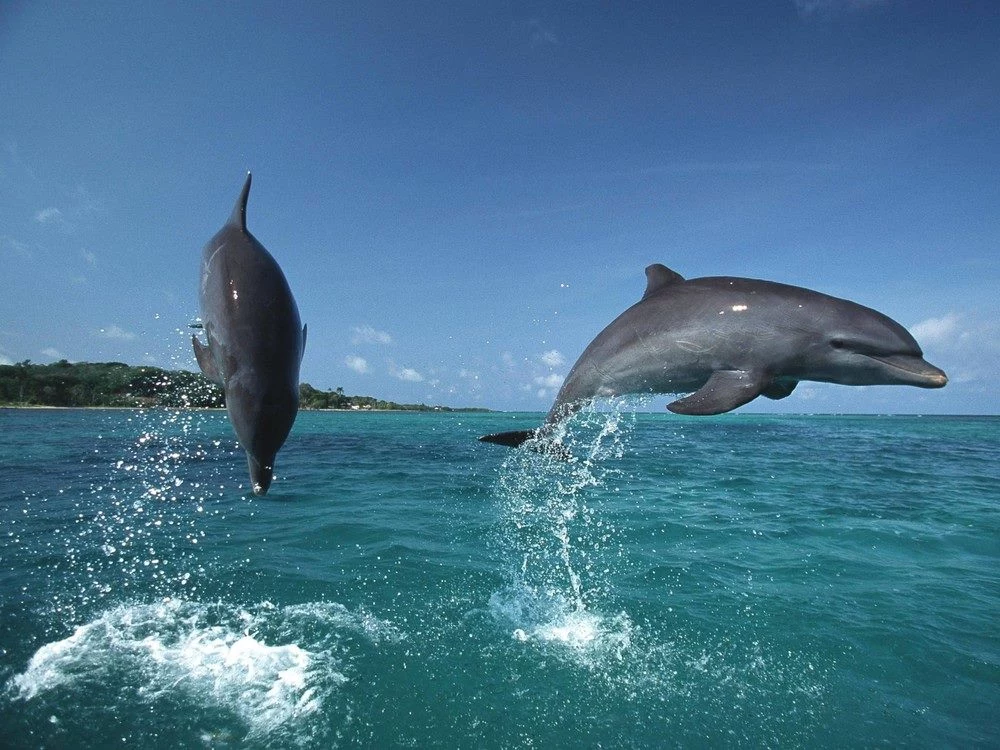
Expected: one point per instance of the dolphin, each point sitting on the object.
(730, 340)
(255, 340)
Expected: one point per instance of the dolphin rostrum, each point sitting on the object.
(731, 340)
(255, 340)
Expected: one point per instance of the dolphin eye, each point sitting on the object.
(837, 343)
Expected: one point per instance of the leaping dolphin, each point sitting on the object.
(731, 340)
(255, 340)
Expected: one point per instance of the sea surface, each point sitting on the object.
(736, 581)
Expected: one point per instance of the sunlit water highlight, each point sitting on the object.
(741, 581)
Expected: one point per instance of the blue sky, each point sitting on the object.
(462, 195)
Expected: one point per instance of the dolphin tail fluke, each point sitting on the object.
(239, 215)
(511, 439)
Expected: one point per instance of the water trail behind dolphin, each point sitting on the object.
(559, 540)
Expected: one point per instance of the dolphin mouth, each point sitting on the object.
(913, 370)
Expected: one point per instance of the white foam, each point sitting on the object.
(52, 666)
(586, 637)
(211, 654)
(265, 685)
(578, 629)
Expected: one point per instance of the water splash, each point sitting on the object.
(141, 527)
(554, 526)
(272, 668)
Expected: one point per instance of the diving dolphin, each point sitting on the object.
(255, 340)
(730, 340)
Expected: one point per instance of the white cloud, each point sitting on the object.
(552, 358)
(549, 381)
(358, 364)
(809, 7)
(53, 353)
(367, 334)
(16, 247)
(468, 374)
(15, 157)
(89, 257)
(116, 332)
(48, 215)
(545, 386)
(4, 360)
(508, 359)
(84, 204)
(540, 36)
(405, 373)
(966, 345)
(934, 331)
(51, 216)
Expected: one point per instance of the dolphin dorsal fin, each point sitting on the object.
(239, 215)
(658, 277)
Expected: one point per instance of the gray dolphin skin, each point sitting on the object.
(255, 340)
(730, 340)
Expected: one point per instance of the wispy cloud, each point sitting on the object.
(405, 373)
(543, 211)
(15, 247)
(811, 7)
(367, 334)
(549, 381)
(84, 204)
(52, 217)
(748, 167)
(5, 360)
(116, 332)
(935, 331)
(541, 36)
(966, 347)
(89, 257)
(14, 155)
(545, 386)
(552, 358)
(358, 364)
(53, 353)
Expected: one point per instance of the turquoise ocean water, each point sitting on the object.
(740, 581)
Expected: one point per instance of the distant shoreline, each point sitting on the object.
(429, 410)
(116, 385)
(477, 410)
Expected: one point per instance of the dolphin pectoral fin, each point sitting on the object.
(205, 361)
(723, 391)
(304, 331)
(778, 390)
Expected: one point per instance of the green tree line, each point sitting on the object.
(103, 384)
(81, 384)
(311, 398)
